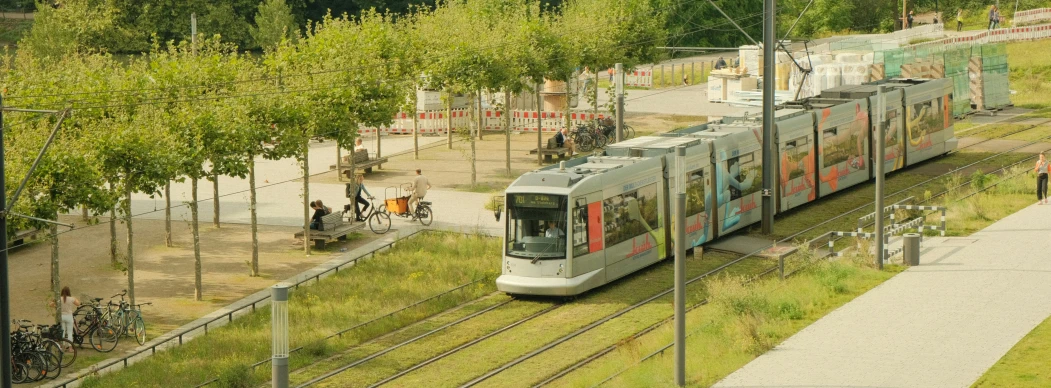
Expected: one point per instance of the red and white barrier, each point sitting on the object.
(437, 122)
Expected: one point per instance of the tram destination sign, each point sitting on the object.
(537, 200)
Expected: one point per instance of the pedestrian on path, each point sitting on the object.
(959, 20)
(610, 72)
(1042, 168)
(994, 17)
(911, 18)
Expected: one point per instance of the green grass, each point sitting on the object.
(1013, 192)
(1030, 73)
(1025, 365)
(414, 269)
(740, 323)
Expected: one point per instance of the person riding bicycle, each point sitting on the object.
(359, 200)
(419, 188)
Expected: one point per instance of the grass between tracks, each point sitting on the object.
(742, 322)
(498, 350)
(414, 269)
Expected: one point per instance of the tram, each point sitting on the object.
(589, 221)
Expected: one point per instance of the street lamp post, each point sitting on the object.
(680, 266)
(279, 327)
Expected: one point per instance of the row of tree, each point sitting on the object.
(199, 109)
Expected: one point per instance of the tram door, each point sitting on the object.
(586, 234)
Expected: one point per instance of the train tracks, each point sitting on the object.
(490, 367)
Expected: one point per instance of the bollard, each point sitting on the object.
(279, 336)
(911, 248)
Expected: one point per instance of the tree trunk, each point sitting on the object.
(306, 193)
(195, 229)
(56, 283)
(539, 128)
(84, 213)
(480, 126)
(415, 132)
(131, 252)
(378, 151)
(255, 223)
(449, 116)
(113, 236)
(168, 214)
(215, 200)
(507, 129)
(339, 161)
(568, 120)
(595, 110)
(474, 153)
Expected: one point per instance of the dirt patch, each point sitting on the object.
(163, 275)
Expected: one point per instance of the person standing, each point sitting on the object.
(420, 185)
(69, 304)
(911, 18)
(959, 19)
(1042, 168)
(993, 17)
(610, 72)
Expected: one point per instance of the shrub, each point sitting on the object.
(238, 376)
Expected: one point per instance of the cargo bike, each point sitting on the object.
(398, 205)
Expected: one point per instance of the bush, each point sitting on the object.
(238, 376)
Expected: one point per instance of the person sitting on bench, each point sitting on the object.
(562, 140)
(315, 220)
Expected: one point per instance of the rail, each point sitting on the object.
(229, 316)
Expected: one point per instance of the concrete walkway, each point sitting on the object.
(942, 324)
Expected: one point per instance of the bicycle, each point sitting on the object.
(30, 356)
(55, 334)
(378, 221)
(87, 320)
(399, 206)
(583, 138)
(125, 318)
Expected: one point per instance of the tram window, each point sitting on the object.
(743, 169)
(580, 228)
(695, 193)
(630, 214)
(536, 226)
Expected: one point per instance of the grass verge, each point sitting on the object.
(1030, 73)
(1025, 365)
(741, 322)
(414, 269)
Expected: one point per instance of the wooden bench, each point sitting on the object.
(551, 150)
(332, 228)
(20, 237)
(361, 162)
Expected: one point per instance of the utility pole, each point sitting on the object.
(618, 71)
(769, 41)
(5, 299)
(904, 13)
(880, 110)
(680, 266)
(193, 33)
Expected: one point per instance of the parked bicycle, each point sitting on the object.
(55, 334)
(30, 359)
(87, 324)
(124, 319)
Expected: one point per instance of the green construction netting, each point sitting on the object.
(996, 92)
(956, 60)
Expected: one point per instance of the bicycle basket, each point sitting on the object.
(397, 205)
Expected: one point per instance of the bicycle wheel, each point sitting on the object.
(68, 351)
(140, 330)
(83, 317)
(601, 140)
(18, 372)
(52, 364)
(629, 132)
(584, 143)
(379, 222)
(33, 364)
(104, 337)
(425, 215)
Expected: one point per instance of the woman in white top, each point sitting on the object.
(69, 304)
(1042, 168)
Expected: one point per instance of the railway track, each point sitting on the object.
(604, 319)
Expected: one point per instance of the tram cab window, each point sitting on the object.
(536, 226)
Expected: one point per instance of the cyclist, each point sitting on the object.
(360, 200)
(419, 188)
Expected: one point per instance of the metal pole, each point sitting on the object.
(879, 174)
(539, 128)
(193, 33)
(5, 303)
(279, 335)
(619, 72)
(680, 266)
(769, 39)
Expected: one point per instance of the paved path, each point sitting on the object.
(942, 324)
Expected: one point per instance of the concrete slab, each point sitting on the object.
(744, 245)
(940, 324)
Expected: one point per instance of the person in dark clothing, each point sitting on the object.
(360, 200)
(720, 64)
(315, 220)
(911, 17)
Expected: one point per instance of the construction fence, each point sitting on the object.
(437, 122)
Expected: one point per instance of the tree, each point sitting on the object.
(274, 23)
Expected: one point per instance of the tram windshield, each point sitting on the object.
(536, 226)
